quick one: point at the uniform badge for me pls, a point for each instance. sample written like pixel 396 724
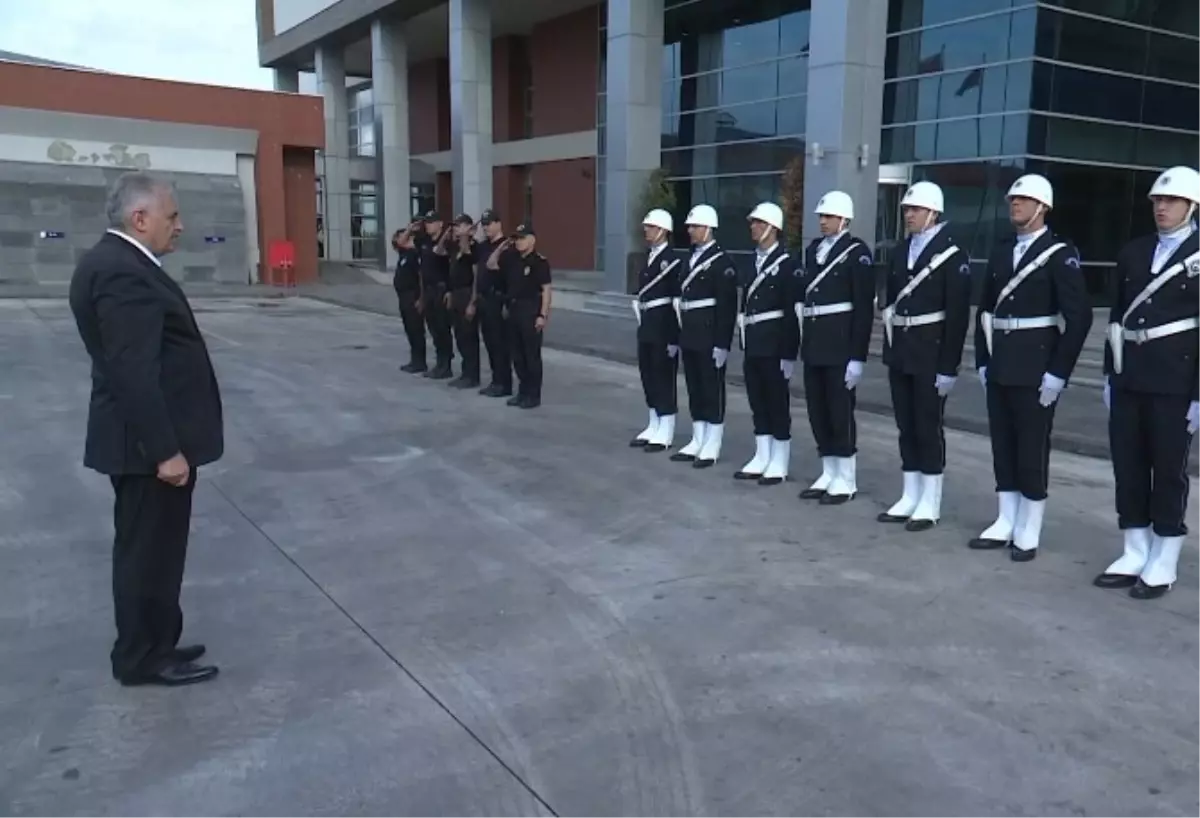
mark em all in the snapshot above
pixel 1073 261
pixel 526 270
pixel 1018 183
pixel 1194 268
pixel 864 260
pixel 662 266
pixel 965 270
pixel 1166 180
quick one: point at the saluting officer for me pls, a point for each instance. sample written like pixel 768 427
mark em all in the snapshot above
pixel 460 300
pixel 769 334
pixel 1025 358
pixel 527 290
pixel 407 282
pixel 707 311
pixel 435 283
pixel 658 332
pixel 1151 387
pixel 837 312
pixel 489 304
pixel 925 326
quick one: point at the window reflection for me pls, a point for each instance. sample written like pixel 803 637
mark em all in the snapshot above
pixel 968 44
pixel 1067 90
pixel 956 139
pixel 1085 41
pixel 735 123
pixel 1181 16
pixel 950 94
pixel 908 14
pixel 1117 144
pixel 732 197
pixel 766 156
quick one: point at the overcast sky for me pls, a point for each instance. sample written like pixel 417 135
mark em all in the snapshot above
pixel 207 41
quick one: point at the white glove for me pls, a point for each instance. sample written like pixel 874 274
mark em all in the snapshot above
pixel 943 384
pixel 672 350
pixel 1052 387
pixel 720 356
pixel 853 374
pixel 983 377
pixel 1193 418
pixel 787 368
pixel 1107 394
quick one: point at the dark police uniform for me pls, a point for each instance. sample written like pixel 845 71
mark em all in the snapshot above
pixel 658 329
pixel 838 310
pixel 708 302
pixel 524 278
pixel 466 328
pixel 1156 384
pixel 435 283
pixel 1029 289
pixel 489 304
pixel 929 304
pixel 768 335
pixel 407 282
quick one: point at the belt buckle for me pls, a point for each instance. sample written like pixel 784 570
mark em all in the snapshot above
pixel 1140 336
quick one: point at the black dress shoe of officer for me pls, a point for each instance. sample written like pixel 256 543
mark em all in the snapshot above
pixel 983 544
pixel 515 400
pixel 919 525
pixel 812 494
pixel 1115 581
pixel 189 653
pixel 1019 555
pixel 1144 591
pixel 173 675
pixel 529 402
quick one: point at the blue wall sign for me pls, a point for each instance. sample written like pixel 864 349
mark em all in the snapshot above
pixel 52 234
pixel 214 239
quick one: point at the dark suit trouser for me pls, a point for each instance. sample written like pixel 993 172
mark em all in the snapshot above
pixel 831 410
pixel 437 318
pixel 705 385
pixel 1020 430
pixel 151 521
pixel 660 377
pixel 495 340
pixel 466 336
pixel 1150 448
pixel 526 344
pixel 414 326
pixel 770 398
pixel 920 417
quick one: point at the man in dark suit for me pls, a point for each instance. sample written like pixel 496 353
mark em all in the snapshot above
pixel 154 417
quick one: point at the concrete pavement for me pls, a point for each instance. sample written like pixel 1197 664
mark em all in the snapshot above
pixel 427 603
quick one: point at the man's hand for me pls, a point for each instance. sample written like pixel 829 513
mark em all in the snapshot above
pixel 720 356
pixel 1193 417
pixel 471 311
pixel 944 383
pixel 787 367
pixel 446 300
pixel 420 305
pixel 539 323
pixel 853 376
pixel 1107 394
pixel 1052 387
pixel 175 471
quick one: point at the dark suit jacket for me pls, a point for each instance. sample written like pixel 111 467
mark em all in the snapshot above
pixel 154 392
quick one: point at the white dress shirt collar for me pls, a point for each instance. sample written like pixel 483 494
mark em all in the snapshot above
pixel 136 244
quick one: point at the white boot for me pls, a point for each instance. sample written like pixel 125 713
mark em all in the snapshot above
pixel 689 452
pixel 1164 559
pixel 907 504
pixel 644 436
pixel 777 469
pixel 711 449
pixel 757 464
pixel 844 485
pixel 818 488
pixel 929 509
pixel 1027 532
pixel 1000 532
pixel 1135 556
pixel 664 434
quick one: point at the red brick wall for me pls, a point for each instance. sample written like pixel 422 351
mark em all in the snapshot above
pixel 508 194
pixel 565 53
pixel 429 106
pixel 508 108
pixel 444 196
pixel 564 212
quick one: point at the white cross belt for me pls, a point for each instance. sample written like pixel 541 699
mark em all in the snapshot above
pixel 818 310
pixel 919 320
pixel 697 304
pixel 1141 336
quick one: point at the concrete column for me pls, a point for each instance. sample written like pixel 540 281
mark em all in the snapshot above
pixel 845 107
pixel 471 104
pixel 331 84
pixel 389 78
pixel 708 96
pixel 634 127
pixel 287 79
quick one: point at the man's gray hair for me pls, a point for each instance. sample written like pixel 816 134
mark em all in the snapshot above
pixel 131 192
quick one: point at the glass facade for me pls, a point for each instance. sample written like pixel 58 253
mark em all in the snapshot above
pixel 364 221
pixel 361 115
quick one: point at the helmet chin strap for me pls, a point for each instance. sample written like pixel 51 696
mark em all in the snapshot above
pixel 1186 219
pixel 1037 211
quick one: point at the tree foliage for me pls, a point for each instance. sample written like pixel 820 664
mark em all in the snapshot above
pixel 791 199
pixel 659 191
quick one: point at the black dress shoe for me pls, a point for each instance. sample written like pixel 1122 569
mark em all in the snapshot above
pixel 176 675
pixel 1143 591
pixel 528 402
pixel 654 448
pixel 468 383
pixel 828 499
pixel 515 400
pixel 189 653
pixel 1115 581
pixel 413 367
pixel 697 463
pixel 812 494
pixel 680 457
pixel 1018 555
pixel 981 544
pixel 884 517
pixel 638 443
pixel 770 481
pixel 919 525
pixel 746 475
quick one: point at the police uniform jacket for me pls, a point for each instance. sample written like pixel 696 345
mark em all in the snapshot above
pixel 658 287
pixel 435 268
pixel 461 276
pixel 1055 287
pixel 934 348
pixel 773 287
pixel 524 277
pixel 489 283
pixel 407 279
pixel 845 276
pixel 712 275
pixel 1167 365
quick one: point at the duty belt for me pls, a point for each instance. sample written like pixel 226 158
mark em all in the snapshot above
pixel 699 303
pixel 1034 322
pixel 640 307
pixel 918 320
pixel 1141 336
pixel 755 318
pixel 818 310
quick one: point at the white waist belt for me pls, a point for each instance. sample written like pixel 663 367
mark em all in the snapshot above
pixel 1141 336
pixel 657 302
pixel 698 304
pixel 759 317
pixel 1035 322
pixel 827 309
pixel 918 320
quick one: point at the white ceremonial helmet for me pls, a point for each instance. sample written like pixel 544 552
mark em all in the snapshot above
pixel 702 216
pixel 768 212
pixel 926 195
pixel 835 203
pixel 659 218
pixel 1033 186
pixel 1180 181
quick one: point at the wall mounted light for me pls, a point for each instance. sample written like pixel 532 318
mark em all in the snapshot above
pixel 816 152
pixel 864 155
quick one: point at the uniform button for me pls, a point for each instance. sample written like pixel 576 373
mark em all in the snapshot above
pixel 1141 320
pixel 1149 300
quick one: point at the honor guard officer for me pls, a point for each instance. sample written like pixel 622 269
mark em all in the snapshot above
pixel 435 283
pixel 489 304
pixel 836 315
pixel 460 301
pixel 707 311
pixel 1025 358
pixel 527 290
pixel 658 332
pixel 407 282
pixel 769 335
pixel 925 325
pixel 1151 389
